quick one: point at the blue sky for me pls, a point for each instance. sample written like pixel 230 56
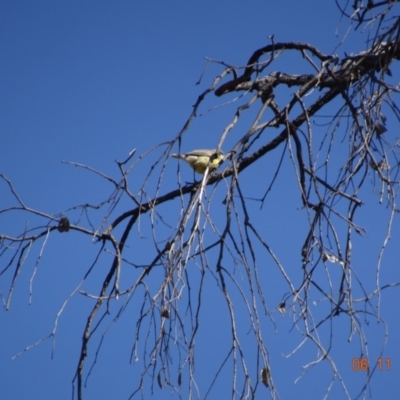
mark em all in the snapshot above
pixel 90 81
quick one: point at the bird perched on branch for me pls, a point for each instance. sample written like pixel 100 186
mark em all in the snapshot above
pixel 199 160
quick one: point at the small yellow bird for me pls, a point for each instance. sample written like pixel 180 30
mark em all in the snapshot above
pixel 199 160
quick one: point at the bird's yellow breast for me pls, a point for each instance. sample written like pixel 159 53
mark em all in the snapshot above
pixel 201 163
